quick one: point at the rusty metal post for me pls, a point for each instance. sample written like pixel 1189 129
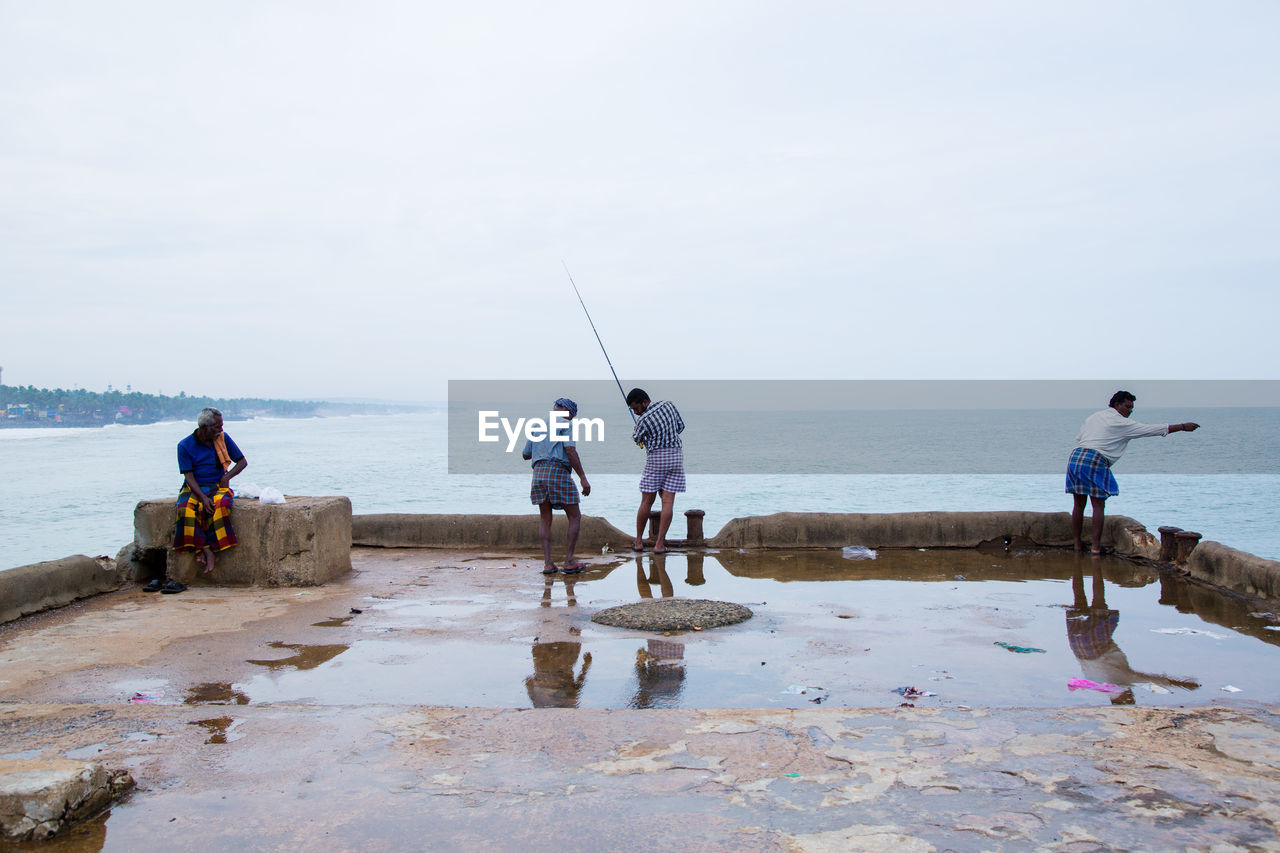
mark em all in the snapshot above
pixel 1168 544
pixel 655 519
pixel 1187 542
pixel 693 524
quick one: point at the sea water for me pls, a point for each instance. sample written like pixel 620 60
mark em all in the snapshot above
pixel 73 491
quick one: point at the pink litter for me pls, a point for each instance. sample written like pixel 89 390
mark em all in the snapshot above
pixel 1086 684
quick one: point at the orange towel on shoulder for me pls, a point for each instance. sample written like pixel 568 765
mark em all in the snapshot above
pixel 220 448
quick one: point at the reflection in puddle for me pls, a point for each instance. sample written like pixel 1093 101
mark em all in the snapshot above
pixel 570 585
pixel 659 675
pixel 87 837
pixel 215 693
pixel 335 622
pixel 1090 629
pixel 657 576
pixel 994 628
pixel 219 729
pixel 306 657
pixel 553 683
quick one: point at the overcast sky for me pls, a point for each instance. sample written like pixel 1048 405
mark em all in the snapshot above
pixel 341 199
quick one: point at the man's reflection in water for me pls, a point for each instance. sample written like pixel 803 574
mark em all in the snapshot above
pixel 553 683
pixel 657 575
pixel 659 675
pixel 571 597
pixel 1089 633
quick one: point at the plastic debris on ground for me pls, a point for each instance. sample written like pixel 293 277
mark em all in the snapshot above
pixel 141 698
pixel 1189 631
pixel 913 692
pixel 1086 684
pixel 1230 688
pixel 816 695
pixel 1022 650
pixel 857 552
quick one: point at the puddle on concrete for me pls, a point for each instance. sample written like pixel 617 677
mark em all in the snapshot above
pixel 963 628
pixel 304 657
pixel 25 755
pixel 86 751
pixel 219 729
pixel 215 693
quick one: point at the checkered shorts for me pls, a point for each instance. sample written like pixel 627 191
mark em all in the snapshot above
pixel 663 470
pixel 552 483
pixel 1089 473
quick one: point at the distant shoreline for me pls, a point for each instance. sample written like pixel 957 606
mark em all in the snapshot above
pixel 95 423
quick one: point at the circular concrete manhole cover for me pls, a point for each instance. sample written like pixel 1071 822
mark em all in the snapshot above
pixel 673 614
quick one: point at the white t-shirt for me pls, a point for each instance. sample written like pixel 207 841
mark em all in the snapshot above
pixel 1110 432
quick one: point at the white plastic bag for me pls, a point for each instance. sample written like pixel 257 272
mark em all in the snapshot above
pixel 270 495
pixel 246 490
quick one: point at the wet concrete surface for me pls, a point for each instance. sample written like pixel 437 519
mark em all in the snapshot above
pixel 233 749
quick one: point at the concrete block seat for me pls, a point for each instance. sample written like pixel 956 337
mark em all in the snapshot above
pixel 305 541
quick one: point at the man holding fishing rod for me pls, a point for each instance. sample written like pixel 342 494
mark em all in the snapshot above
pixel 657 430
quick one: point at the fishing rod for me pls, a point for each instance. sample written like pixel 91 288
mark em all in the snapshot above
pixel 593 328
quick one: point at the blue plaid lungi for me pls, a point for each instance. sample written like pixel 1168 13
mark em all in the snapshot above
pixel 552 483
pixel 1089 473
pixel 663 470
pixel 1089 632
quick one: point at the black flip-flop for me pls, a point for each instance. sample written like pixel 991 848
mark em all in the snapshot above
pixel 1105 549
pixel 550 571
pixel 576 570
pixel 154 586
pixel 172 587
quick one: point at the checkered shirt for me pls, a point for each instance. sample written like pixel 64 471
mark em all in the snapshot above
pixel 659 427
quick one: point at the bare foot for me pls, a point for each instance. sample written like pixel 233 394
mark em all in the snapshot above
pixel 637 545
pixel 208 561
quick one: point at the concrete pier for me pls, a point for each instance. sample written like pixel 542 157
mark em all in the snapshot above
pixel 219 768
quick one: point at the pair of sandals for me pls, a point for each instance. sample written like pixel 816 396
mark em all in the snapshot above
pixel 166 588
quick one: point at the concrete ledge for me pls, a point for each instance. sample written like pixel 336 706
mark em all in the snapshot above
pixel 304 542
pixel 1235 570
pixel 38 799
pixel 925 530
pixel 404 530
pixel 54 583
